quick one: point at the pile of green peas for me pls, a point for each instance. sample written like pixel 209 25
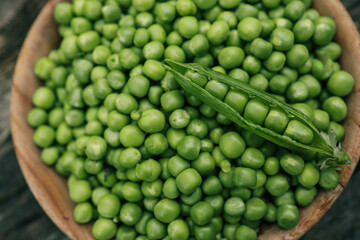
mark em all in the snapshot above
pixel 146 160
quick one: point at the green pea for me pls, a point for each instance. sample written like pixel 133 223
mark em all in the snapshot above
pixel 275 62
pixel 255 209
pixel 188 180
pixel 277 185
pixel 232 144
pixel 297 56
pixel 178 230
pixel 261 48
pixel 155 229
pixel 336 128
pixel 329 178
pixel 336 108
pixel 131 192
pixel 166 210
pixel 172 100
pixel 179 118
pixel 305 196
pixel 109 206
pixel 256 111
pixel 218 32
pixel 234 206
pixel 252 158
pixel 130 214
pixel 309 176
pixel 325 29
pixel 249 28
pixel 175 53
pixel 287 216
pixel 104 229
pixel 244 177
pixel 188 26
pixel 83 212
pixel 282 39
pixel 257 81
pixel 231 57
pixel 204 164
pixel 79 191
pixel 201 213
pixel 148 170
pixel 340 83
pixel 131 136
pixel 304 30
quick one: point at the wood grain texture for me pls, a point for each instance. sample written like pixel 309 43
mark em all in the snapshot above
pixel 50 189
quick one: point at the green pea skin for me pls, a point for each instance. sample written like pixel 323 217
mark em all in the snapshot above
pixel 201 213
pixel 104 229
pixel 189 147
pixel 244 177
pixel 218 32
pixel 188 180
pixel 329 178
pixel 310 176
pixel 249 28
pixel 287 216
pixel 277 185
pixel 292 164
pixel 231 57
pixel 166 210
pixel 130 214
pixel 282 39
pixel 148 170
pixel 155 229
pixel 131 136
pixel 340 83
pixel 336 108
pixel 178 230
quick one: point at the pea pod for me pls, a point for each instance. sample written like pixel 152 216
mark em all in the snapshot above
pixel 320 143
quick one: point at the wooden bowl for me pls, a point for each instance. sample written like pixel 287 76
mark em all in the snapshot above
pixel 50 189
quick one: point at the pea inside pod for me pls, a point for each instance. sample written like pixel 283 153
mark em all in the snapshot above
pixel 299 133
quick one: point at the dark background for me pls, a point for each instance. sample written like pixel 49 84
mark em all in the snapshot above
pixel 21 217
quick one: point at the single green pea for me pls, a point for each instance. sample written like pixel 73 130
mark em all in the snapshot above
pixel 156 144
pixel 257 81
pixel 188 180
pixel 287 216
pixel 282 39
pixel 166 210
pixel 310 176
pixel 79 191
pixel 201 213
pixel 231 57
pixel 297 92
pixel 83 212
pixel 329 178
pixel 152 121
pixel 336 108
pixel 189 147
pixel 109 206
pixel 131 192
pixel 234 206
pixel 297 56
pixel 305 196
pixel 44 136
pixel 178 230
pixel 188 26
pixel 172 100
pixel 336 128
pixel 249 28
pixel 131 136
pixel 252 158
pixel 204 164
pixel 155 229
pixel 130 213
pixel 277 185
pixel 104 229
pixel 340 83
pixel 256 111
pixel 244 177
pixel 218 32
pixel 275 62
pixel 232 144
pixel 148 170
pixel 255 209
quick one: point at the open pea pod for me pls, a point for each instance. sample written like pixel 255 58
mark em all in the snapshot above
pixel 321 142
